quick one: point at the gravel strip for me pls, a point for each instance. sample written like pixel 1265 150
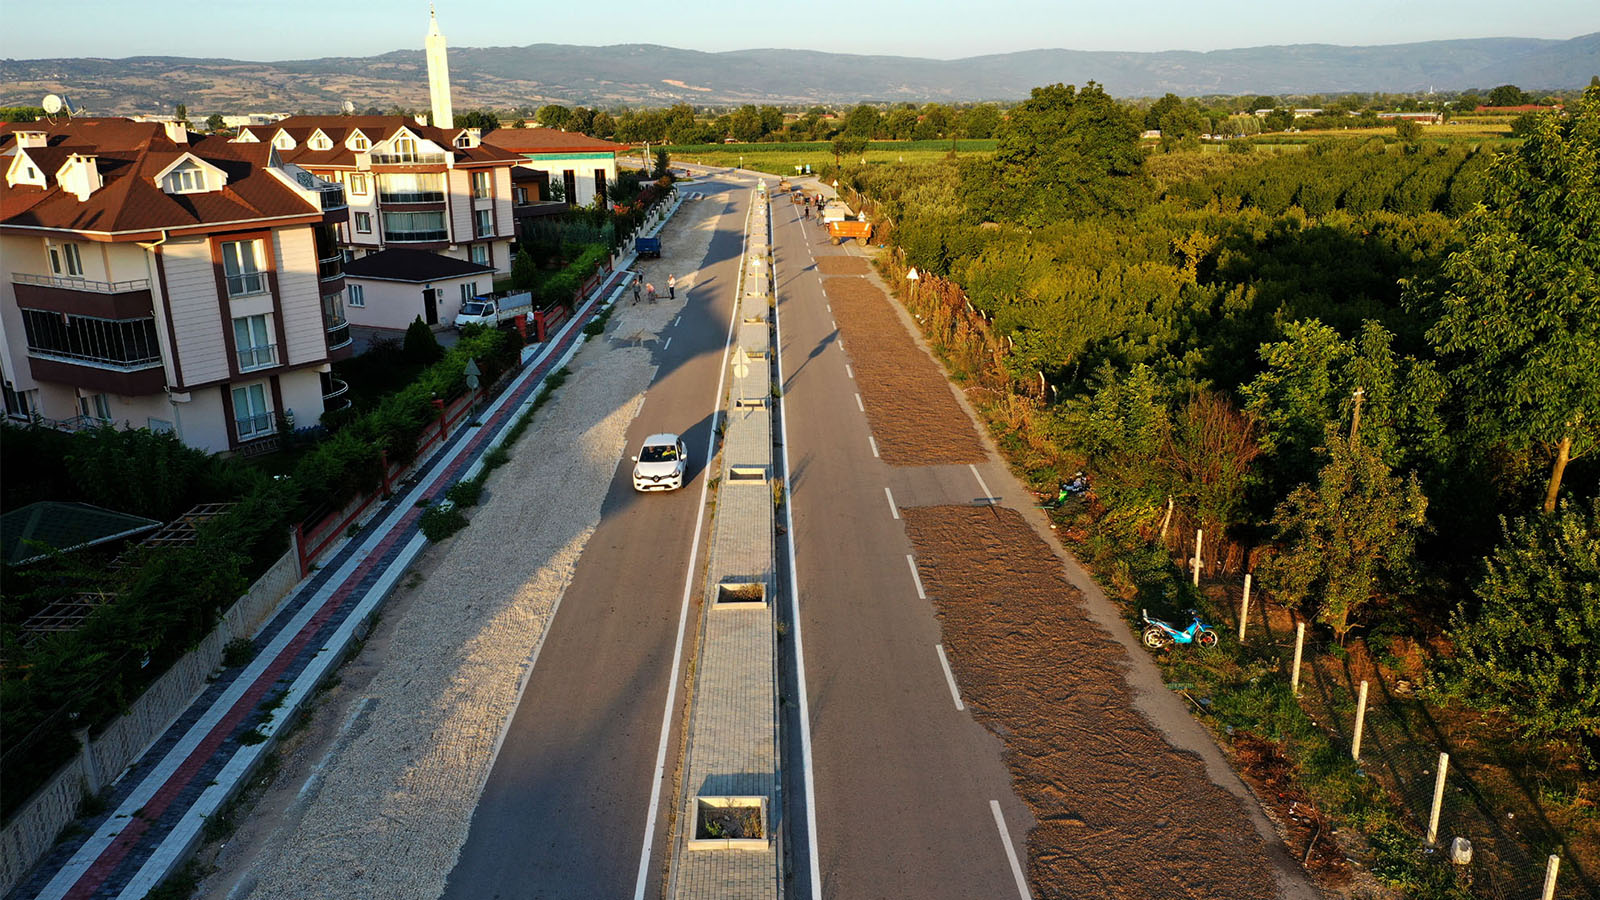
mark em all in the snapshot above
pixel 395 806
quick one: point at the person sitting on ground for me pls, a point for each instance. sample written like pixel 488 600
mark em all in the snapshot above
pixel 650 292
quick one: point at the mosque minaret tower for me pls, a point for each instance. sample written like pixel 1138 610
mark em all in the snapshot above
pixel 438 75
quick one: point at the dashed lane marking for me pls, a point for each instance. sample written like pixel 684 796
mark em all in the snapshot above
pixel 893 510
pixel 950 678
pixel 912 562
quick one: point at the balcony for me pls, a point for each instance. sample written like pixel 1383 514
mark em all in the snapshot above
pixel 331 268
pixel 409 159
pixel 329 194
pixel 431 236
pixel 82 297
pixel 258 426
pixel 333 393
pixel 391 197
pixel 251 358
pixel 338 335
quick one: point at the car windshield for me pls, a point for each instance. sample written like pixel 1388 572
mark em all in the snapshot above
pixel 473 308
pixel 659 453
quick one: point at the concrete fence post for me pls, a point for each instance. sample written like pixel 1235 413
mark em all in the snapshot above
pixel 1438 798
pixel 91 772
pixel 1552 867
pixel 1199 543
pixel 1244 608
pixel 1361 721
pixel 1299 642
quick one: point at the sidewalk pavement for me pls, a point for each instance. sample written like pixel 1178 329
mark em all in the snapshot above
pixel 157 810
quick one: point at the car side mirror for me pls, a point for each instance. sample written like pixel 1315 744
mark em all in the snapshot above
pixel 636 459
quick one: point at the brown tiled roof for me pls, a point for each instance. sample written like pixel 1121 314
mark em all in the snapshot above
pixel 549 140
pixel 129 155
pixel 376 128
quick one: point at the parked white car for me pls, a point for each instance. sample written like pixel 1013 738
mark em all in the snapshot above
pixel 661 463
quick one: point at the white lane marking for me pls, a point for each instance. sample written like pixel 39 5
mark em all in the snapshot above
pixel 834 324
pixel 849 371
pixel 912 562
pixel 676 321
pixel 893 510
pixel 988 497
pixel 858 404
pixel 794 622
pixel 669 344
pixel 841 345
pixel 955 693
pixel 639 407
pixel 830 308
pixel 683 613
pixel 1011 852
pixel 874 442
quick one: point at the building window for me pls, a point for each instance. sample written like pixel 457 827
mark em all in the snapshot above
pixel 468 291
pixel 186 180
pixel 124 344
pixel 243 263
pixel 357 182
pixel 97 407
pixel 360 142
pixel 463 140
pixel 414 226
pixel 252 342
pixel 480 254
pixel 600 185
pixel 482 185
pixel 251 418
pixel 405 147
pixel 484 219
pixel 358 294
pixel 283 142
pixel 64 260
pixel 321 142
pixel 422 187
pixel 520 195
pixel 161 426
pixel 363 223
pixel 21 404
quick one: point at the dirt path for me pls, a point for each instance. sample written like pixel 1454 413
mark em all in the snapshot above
pixel 374 799
pixel 914 414
pixel 1122 814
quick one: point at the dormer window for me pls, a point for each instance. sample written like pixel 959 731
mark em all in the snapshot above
pixel 463 140
pixel 187 179
pixel 360 143
pixel 283 142
pixel 321 142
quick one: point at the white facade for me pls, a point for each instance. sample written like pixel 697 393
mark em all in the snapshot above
pixel 438 75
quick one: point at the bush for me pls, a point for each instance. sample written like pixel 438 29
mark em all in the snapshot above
pixel 442 520
pixel 465 493
pixel 420 344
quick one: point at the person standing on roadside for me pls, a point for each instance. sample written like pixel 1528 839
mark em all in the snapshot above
pixel 636 290
pixel 672 287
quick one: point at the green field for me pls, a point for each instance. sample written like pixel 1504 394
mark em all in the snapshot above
pixel 781 159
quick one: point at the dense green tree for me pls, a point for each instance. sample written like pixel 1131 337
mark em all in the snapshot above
pixel 214 123
pixel 21 113
pixel 1468 102
pixel 1262 102
pixel 582 120
pixel 553 115
pixel 1278 120
pixel 523 270
pixel 900 124
pixel 771 119
pixel 1346 538
pixel 863 121
pixel 1516 308
pixel 420 345
pixel 1160 108
pixel 746 124
pixel 482 119
pixel 1526 645
pixel 1062 154
pixel 1408 131
pixel 1508 95
pixel 604 125
pixel 980 122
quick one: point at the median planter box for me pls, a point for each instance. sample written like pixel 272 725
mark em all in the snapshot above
pixel 741 595
pixel 730 823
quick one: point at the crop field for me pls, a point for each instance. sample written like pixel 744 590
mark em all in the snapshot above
pixel 781 159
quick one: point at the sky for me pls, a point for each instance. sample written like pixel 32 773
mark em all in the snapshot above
pixel 942 29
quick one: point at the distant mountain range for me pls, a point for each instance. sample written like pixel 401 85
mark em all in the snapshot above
pixel 647 74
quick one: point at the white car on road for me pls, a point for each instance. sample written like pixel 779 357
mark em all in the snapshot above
pixel 661 463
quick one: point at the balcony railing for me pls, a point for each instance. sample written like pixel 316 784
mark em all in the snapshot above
pixel 76 423
pixel 248 427
pixel 119 345
pixel 329 269
pixel 334 397
pixel 432 235
pixel 410 196
pixel 338 335
pixel 408 159
pixel 333 197
pixel 83 284
pixel 258 357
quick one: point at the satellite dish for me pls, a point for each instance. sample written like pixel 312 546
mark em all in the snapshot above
pixel 348 107
pixel 52 104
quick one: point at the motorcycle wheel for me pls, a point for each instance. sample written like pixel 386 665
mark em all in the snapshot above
pixel 1206 638
pixel 1155 638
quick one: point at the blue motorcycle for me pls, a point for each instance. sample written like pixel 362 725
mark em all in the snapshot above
pixel 1158 634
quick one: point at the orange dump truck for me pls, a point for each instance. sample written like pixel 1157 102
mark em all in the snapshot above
pixel 846 229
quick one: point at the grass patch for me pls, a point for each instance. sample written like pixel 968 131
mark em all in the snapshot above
pixel 237 652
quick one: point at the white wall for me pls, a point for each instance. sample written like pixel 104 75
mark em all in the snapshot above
pixel 302 392
pixel 196 318
pixel 299 295
pixel 582 169
pixel 458 191
pixel 395 304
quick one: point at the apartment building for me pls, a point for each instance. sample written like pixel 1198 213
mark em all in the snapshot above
pixel 408 185
pixel 584 166
pixel 162 279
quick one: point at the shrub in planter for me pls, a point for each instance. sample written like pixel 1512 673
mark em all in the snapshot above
pixel 441 520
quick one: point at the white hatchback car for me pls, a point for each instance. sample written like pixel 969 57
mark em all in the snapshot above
pixel 661 463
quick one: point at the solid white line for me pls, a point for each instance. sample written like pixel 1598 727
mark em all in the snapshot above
pixel 950 677
pixel 1011 852
pixel 874 442
pixel 849 371
pixel 858 404
pixel 683 612
pixel 987 496
pixel 893 510
pixel 666 345
pixel 794 621
pixel 912 562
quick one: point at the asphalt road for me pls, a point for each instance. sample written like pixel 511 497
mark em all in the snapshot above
pixel 904 780
pixel 564 811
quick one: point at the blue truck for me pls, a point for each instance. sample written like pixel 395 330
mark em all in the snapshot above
pixel 648 246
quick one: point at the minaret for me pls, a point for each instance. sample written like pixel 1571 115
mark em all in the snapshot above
pixel 438 75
